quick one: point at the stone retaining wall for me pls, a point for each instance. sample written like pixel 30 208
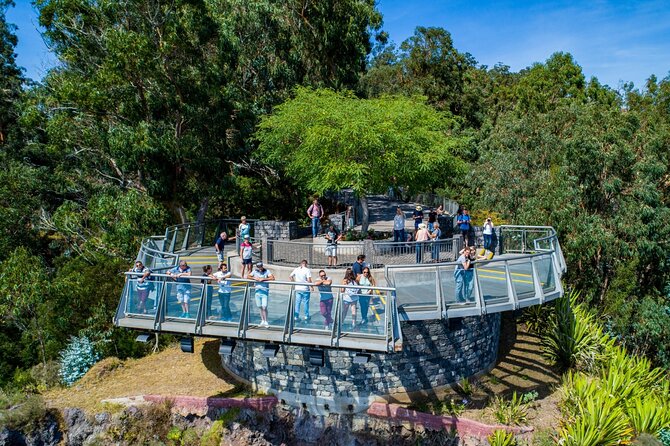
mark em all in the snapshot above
pixel 435 354
pixel 276 230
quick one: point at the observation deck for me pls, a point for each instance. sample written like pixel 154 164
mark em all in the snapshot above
pixel 525 271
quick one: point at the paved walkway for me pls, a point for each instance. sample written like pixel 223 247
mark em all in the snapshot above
pixel 382 210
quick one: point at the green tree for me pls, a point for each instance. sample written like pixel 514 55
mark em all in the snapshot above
pixel 330 141
pixel 24 289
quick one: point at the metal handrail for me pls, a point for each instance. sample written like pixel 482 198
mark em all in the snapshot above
pixel 276 282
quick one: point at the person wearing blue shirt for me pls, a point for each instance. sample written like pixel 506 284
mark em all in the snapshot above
pixel 180 274
pixel 262 290
pixel 219 246
pixel 464 225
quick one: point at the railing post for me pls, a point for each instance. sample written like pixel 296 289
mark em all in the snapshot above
pixel 202 309
pixel 184 245
pixel 264 250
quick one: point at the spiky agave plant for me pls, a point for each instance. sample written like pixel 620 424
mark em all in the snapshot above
pixel 501 437
pixel 599 422
pixel 573 339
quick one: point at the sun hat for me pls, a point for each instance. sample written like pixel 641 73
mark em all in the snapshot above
pixel 246 236
pixel 259 265
pixel 419 208
pixel 422 226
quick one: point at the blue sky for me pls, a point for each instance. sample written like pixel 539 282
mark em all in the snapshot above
pixel 612 40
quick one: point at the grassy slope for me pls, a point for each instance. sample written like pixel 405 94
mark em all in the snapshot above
pixel 171 372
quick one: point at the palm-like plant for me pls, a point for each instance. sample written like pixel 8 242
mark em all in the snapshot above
pixel 573 339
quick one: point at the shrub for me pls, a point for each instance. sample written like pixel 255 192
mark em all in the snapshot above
pixel 573 339
pixel 501 438
pixel 21 411
pixel 465 386
pixel 529 397
pixel 537 318
pixel 600 422
pixel 77 358
pixel 510 412
pixel 648 414
pixel 214 435
pixel 46 375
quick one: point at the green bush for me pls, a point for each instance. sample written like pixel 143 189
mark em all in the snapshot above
pixel 573 339
pixel 513 411
pixel 599 422
pixel 21 411
pixel 501 438
pixel 537 318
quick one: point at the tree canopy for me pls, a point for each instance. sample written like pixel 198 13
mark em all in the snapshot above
pixel 328 140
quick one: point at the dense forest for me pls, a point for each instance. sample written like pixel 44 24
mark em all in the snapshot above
pixel 159 112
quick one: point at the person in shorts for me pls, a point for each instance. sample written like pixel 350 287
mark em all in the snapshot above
pixel 246 254
pixel 332 237
pixel 262 290
pixel 219 246
pixel 181 274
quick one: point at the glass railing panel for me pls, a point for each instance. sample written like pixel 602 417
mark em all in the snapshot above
pixel 316 308
pixel 492 281
pixel 351 313
pixel 545 272
pixel 225 303
pixel 307 309
pixel 415 287
pixel 521 272
pixel 269 300
pixel 513 240
pixel 179 241
pixel 372 308
pixel 457 285
pixel 182 300
pixel 143 297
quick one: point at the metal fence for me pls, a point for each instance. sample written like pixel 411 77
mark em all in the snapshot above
pixel 377 253
pixel 530 276
pixel 195 235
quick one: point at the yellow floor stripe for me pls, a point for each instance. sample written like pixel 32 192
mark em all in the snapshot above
pixel 503 272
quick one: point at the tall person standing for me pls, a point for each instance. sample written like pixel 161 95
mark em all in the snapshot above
pixel 315 212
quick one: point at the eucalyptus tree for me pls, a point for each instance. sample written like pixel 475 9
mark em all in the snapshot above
pixel 329 140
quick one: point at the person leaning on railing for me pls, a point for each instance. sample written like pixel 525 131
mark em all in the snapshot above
pixel 143 285
pixel 365 279
pixel 462 275
pixel 181 273
pixel 222 276
pixel 350 297
pixel 323 283
pixel 262 291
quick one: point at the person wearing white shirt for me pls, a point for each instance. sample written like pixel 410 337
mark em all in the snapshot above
pixel 301 274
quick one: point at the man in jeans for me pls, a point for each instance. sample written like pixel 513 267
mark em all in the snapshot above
pixel 315 212
pixel 301 274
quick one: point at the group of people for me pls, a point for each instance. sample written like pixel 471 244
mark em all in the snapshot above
pixel 358 275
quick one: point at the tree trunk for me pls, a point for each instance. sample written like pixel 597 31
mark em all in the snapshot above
pixel 204 205
pixel 365 218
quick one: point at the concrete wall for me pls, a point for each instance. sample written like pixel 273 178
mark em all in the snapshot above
pixel 435 354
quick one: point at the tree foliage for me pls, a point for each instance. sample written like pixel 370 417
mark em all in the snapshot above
pixel 331 141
